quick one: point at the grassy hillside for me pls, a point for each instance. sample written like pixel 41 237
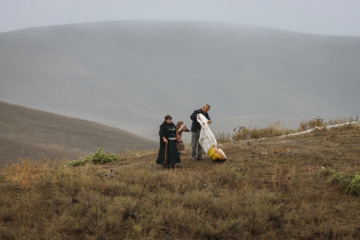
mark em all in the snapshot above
pixel 299 187
pixel 29 133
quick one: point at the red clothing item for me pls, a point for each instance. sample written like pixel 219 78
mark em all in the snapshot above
pixel 180 128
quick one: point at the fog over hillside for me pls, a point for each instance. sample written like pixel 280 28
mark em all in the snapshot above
pixel 130 74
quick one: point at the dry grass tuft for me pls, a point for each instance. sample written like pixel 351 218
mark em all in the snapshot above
pixel 319 122
pixel 272 130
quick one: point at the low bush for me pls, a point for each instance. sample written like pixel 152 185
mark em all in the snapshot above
pixel 350 181
pixel 100 157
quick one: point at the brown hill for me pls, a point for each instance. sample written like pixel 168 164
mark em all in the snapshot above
pixel 34 134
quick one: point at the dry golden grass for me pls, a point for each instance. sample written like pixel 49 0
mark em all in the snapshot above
pixel 272 130
pixel 319 122
pixel 267 189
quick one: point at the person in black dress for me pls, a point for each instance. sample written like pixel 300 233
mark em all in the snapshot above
pixel 168 154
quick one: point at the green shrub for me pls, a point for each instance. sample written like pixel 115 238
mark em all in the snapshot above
pixel 350 181
pixel 2 178
pixel 100 157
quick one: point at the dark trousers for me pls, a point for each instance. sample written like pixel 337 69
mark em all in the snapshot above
pixel 195 142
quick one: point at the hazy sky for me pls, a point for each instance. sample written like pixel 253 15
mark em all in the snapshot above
pixel 330 17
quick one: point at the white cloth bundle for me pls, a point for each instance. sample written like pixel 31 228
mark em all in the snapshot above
pixel 207 139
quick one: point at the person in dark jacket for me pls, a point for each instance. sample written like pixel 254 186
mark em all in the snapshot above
pixel 168 154
pixel 195 131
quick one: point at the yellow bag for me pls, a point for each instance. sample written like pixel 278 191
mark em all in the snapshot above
pixel 211 153
pixel 216 153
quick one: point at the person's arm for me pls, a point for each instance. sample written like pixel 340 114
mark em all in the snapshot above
pixel 161 133
pixel 181 127
pixel 194 116
pixel 208 117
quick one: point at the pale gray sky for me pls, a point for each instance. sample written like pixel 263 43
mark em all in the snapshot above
pixel 329 17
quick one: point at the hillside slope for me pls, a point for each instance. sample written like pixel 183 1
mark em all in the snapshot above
pixel 277 188
pixel 34 134
pixel 130 74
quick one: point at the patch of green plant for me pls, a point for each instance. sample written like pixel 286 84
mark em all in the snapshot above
pixel 79 162
pixel 100 157
pixel 350 181
pixel 2 178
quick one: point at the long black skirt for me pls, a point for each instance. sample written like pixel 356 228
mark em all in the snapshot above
pixel 172 156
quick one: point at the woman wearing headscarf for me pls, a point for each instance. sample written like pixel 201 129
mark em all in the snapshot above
pixel 168 154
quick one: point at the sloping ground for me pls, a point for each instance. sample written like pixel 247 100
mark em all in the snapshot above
pixel 34 134
pixel 273 188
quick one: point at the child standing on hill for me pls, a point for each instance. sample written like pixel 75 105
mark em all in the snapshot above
pixel 180 128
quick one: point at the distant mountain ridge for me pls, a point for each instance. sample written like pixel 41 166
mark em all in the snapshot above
pixel 34 134
pixel 130 74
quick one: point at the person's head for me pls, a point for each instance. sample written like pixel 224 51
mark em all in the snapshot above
pixel 168 119
pixel 205 108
